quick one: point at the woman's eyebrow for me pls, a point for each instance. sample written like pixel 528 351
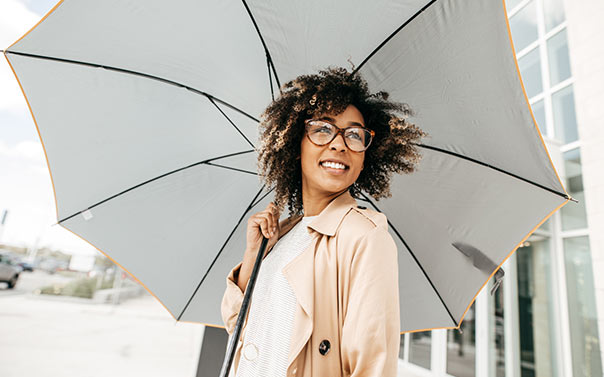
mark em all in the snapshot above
pixel 333 121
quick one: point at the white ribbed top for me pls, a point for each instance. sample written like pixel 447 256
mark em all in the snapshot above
pixel 271 317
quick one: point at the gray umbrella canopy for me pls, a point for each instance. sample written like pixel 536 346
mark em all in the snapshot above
pixel 148 113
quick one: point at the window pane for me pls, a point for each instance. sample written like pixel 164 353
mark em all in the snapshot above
pixel 565 122
pixel 496 329
pixel 573 214
pixel 535 308
pixel 401 351
pixel 511 4
pixel 461 347
pixel 585 345
pixel 524 26
pixel 539 113
pixel 530 69
pixel 554 13
pixel 420 348
pixel 559 63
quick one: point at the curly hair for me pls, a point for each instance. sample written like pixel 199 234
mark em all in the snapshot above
pixel 393 148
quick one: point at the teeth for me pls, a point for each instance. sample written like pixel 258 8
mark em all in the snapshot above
pixel 334 165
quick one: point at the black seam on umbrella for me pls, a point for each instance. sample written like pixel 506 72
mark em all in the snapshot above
pixel 206 162
pixel 218 254
pixel 231 168
pixel 270 77
pixel 232 123
pixel 494 168
pixel 392 35
pixel 416 261
pixel 122 70
pixel 262 197
pixel 268 54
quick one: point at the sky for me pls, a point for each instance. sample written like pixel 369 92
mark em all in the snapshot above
pixel 25 185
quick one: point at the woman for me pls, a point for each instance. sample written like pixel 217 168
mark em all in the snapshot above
pixel 326 300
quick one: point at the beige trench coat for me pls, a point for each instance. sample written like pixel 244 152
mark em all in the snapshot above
pixel 346 286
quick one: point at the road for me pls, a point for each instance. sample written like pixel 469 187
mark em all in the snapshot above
pixel 51 336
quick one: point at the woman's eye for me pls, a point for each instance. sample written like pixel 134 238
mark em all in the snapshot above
pixel 355 135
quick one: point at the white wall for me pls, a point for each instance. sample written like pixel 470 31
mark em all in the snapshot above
pixel 585 29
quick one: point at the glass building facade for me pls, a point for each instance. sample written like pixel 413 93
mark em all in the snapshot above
pixel 542 321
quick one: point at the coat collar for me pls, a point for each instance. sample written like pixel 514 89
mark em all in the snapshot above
pixel 328 220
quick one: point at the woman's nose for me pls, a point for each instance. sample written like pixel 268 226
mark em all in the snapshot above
pixel 338 143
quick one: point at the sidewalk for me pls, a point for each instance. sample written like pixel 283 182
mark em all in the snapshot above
pixel 41 337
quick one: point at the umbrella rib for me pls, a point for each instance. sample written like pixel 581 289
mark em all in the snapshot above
pixel 392 35
pixel 219 252
pixel 206 162
pixel 231 168
pixel 268 54
pixel 494 168
pixel 262 197
pixel 146 75
pixel 416 261
pixel 233 124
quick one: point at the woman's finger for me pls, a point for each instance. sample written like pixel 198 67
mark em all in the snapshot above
pixel 261 219
pixel 270 222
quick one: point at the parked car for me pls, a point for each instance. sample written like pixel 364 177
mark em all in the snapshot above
pixel 26 266
pixel 9 270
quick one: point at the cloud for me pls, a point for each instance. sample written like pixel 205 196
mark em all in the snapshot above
pixel 26 191
pixel 15 20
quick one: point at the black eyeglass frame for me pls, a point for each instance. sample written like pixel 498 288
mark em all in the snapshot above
pixel 338 131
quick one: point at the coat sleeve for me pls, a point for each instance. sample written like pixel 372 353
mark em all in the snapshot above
pixel 371 331
pixel 232 299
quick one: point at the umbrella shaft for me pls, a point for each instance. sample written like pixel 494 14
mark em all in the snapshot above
pixel 230 354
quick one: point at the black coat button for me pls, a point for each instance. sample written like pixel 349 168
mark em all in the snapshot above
pixel 324 347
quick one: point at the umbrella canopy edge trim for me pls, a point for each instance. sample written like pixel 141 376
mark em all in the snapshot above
pixel 507 23
pixel 268 54
pixel 122 267
pixel 416 261
pixel 564 195
pixel 127 71
pixel 487 280
pixel 205 162
pixel 54 191
pixel 510 254
pixel 37 23
pixel 249 207
pixel 519 77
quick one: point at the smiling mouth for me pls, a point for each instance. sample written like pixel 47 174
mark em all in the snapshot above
pixel 334 165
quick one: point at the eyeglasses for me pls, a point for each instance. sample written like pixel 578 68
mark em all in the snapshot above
pixel 356 138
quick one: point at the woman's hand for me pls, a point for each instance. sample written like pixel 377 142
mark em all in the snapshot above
pixel 261 224
pixel 264 223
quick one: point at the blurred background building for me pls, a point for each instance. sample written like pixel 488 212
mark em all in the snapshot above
pixel 547 319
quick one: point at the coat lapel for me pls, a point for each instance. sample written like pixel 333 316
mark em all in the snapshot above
pixel 300 271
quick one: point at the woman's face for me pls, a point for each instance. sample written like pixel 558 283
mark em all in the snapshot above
pixel 320 179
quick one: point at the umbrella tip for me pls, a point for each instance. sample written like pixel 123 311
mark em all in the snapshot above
pixel 573 199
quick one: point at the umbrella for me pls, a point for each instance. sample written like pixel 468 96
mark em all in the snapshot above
pixel 148 113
